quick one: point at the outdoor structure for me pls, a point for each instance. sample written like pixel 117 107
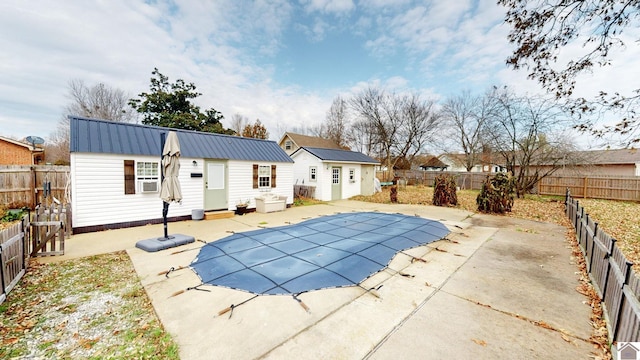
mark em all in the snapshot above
pixel 14 152
pixel 335 174
pixel 115 173
pixel 486 162
pixel 290 142
pixel 615 162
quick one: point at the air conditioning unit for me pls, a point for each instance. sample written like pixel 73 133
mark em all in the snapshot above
pixel 148 186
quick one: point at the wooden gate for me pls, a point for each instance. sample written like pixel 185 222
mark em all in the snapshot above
pixel 50 226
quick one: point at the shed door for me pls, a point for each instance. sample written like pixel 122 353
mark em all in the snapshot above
pixel 215 185
pixel 367 173
pixel 336 183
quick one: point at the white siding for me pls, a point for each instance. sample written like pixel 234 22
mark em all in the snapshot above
pixel 304 160
pixel 97 183
pixel 240 176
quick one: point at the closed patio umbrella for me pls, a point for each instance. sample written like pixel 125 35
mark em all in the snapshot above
pixel 170 190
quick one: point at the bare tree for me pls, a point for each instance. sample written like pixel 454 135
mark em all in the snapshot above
pixel 380 112
pixel 336 124
pixel 97 101
pixel 417 128
pixel 392 127
pixel 528 134
pixel 467 116
pixel 238 123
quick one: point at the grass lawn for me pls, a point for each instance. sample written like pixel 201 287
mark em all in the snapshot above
pixel 90 308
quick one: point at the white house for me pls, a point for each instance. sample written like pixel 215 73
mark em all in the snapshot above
pixel 115 173
pixel 335 174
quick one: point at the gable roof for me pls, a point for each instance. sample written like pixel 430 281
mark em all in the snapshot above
pixel 434 162
pixel 338 155
pixel 310 141
pixel 108 137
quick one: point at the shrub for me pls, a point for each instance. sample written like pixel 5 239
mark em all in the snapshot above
pixel 444 190
pixel 496 194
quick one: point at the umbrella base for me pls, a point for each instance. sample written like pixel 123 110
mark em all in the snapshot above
pixel 157 244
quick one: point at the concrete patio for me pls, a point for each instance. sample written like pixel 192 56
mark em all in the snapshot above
pixel 496 288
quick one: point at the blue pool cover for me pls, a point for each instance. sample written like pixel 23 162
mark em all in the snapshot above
pixel 326 252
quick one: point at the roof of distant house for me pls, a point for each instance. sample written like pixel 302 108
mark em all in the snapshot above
pixel 27 145
pixel 103 136
pixel 612 156
pixel 311 141
pixel 434 162
pixel 338 155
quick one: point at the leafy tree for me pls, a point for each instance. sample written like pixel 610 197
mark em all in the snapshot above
pixel 255 130
pixel 541 29
pixel 169 105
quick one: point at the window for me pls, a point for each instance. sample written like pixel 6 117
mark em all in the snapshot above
pixel 352 175
pixel 147 173
pixel 264 176
pixel 287 145
pixel 129 177
pixel 313 171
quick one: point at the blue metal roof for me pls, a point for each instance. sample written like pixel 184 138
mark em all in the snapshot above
pixel 102 136
pixel 339 155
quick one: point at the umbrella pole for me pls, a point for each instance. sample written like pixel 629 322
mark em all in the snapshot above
pixel 165 210
pixel 165 205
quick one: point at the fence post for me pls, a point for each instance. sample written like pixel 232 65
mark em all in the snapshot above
pixel 2 272
pixel 593 243
pixel 606 276
pixel 627 272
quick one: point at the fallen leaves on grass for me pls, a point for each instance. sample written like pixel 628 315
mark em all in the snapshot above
pixel 83 308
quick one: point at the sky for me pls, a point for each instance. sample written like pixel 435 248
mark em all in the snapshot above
pixel 282 62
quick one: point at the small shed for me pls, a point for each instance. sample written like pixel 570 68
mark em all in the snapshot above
pixel 336 174
pixel 115 173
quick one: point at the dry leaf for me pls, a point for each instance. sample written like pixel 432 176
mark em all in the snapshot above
pixel 480 342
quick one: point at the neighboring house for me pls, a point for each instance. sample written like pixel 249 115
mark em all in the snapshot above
pixel 617 162
pixel 14 152
pixel 487 162
pixel 336 174
pixel 433 164
pixel 456 163
pixel 115 173
pixel 291 142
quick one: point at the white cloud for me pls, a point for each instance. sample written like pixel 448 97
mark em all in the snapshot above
pixel 329 6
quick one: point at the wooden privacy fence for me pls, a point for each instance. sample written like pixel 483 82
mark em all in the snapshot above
pixel 22 186
pixel 610 273
pixel 595 187
pixel 304 191
pixel 14 254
